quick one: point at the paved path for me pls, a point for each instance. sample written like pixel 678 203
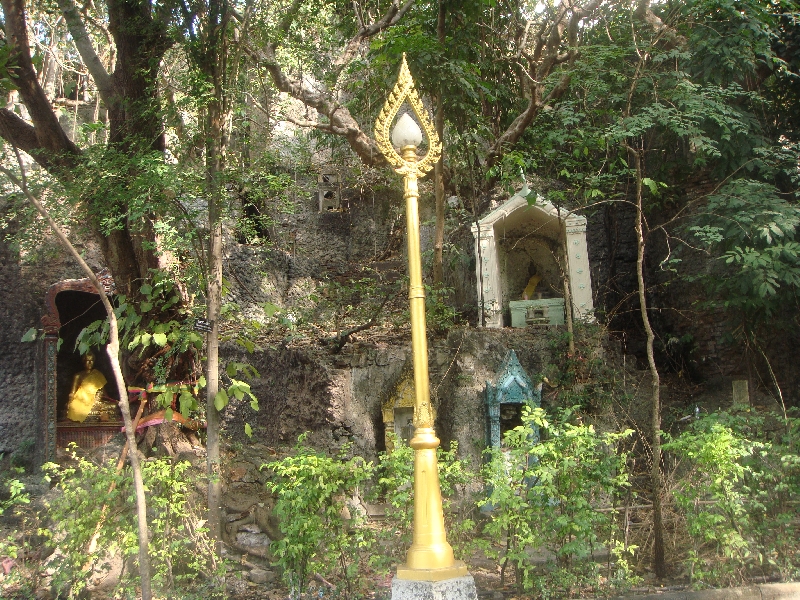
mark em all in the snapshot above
pixel 766 591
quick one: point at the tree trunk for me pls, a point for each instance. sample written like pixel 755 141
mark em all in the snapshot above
pixel 656 478
pixel 213 62
pixel 438 170
pixel 212 369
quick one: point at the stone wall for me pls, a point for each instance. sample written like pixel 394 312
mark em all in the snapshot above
pixel 307 246
pixel 18 402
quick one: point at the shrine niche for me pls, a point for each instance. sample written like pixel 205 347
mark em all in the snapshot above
pixel 505 399
pixel 72 305
pixel 521 267
pixel 398 412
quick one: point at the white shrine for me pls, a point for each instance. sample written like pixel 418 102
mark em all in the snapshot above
pixel 520 264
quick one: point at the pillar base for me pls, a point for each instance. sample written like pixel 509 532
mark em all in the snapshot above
pixel 457 588
pixel 459 569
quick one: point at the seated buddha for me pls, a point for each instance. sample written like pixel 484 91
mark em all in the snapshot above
pixel 86 398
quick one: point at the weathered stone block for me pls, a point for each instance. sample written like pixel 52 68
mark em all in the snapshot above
pixel 459 588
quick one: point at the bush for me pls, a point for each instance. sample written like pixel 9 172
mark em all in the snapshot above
pixel 323 533
pixel 86 513
pixel 13 500
pixel 545 497
pixel 738 496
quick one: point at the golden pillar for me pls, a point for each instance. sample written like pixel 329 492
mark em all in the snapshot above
pixel 430 557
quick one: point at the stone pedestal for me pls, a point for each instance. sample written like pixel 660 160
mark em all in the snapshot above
pixel 459 588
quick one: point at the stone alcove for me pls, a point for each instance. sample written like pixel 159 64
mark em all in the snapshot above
pixel 517 241
pixel 398 411
pixel 505 399
pixel 71 305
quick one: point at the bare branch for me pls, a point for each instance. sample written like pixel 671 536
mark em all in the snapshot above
pixel 313 125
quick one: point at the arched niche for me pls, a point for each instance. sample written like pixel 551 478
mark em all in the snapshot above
pixel 516 239
pixel 71 305
pixel 512 391
pixel 398 412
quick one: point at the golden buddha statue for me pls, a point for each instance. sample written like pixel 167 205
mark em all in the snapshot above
pixel 86 397
pixel 530 289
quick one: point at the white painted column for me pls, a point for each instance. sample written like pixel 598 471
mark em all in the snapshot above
pixel 488 274
pixel 578 263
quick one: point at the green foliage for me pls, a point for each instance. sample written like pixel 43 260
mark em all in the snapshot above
pixel 742 474
pixel 731 40
pixel 545 496
pixel 584 379
pixel 16 495
pixel 323 532
pixel 752 228
pixel 182 556
pixel 266 195
pixel 123 189
pixel 13 500
pixel 439 312
pixel 142 326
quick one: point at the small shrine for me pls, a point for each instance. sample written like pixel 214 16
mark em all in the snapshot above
pixel 398 412
pixel 521 267
pixel 512 390
pixel 71 306
pixel 329 191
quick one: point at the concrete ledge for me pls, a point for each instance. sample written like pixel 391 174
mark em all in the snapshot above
pixel 766 591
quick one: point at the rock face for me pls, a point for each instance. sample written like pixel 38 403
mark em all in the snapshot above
pixel 338 398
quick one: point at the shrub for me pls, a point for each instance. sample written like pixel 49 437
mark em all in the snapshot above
pixel 13 548
pixel 87 512
pixel 545 496
pixel 742 476
pixel 322 535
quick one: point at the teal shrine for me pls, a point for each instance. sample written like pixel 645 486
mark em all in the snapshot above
pixel 505 399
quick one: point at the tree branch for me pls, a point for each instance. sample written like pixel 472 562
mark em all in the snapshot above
pixel 20 133
pixel 343 337
pixel 53 149
pixel 83 42
pixel 644 13
pixel 546 56
pixel 392 16
pixel 340 120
